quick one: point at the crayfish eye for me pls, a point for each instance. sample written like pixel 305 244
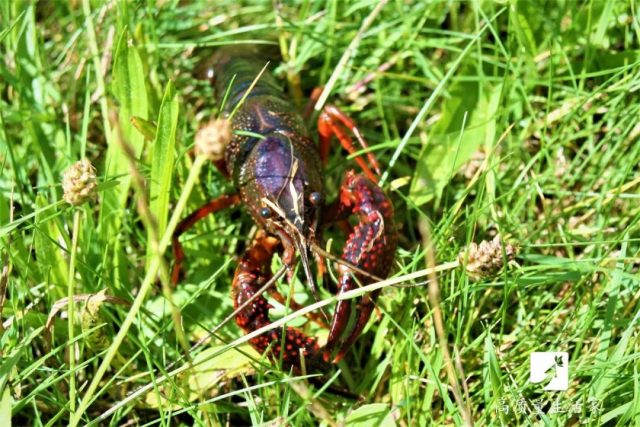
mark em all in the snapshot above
pixel 265 213
pixel 315 198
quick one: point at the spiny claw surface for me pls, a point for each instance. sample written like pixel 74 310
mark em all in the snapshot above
pixel 370 247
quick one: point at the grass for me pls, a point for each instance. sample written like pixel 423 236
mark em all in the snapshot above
pixel 516 119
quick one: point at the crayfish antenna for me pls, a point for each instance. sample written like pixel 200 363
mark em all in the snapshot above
pixel 304 259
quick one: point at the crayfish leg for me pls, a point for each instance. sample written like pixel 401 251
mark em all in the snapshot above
pixel 251 274
pixel 334 122
pixel 210 207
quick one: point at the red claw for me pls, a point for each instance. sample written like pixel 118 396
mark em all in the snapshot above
pixel 370 247
pixel 251 274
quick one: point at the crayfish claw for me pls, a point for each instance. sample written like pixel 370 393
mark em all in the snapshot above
pixel 364 312
pixel 370 247
pixel 340 320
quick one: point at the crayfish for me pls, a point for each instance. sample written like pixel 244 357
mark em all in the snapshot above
pixel 276 169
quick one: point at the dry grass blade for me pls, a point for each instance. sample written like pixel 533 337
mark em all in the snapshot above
pixel 434 299
pixel 61 304
pixel 317 248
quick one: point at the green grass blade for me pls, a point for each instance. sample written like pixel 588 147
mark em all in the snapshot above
pixel 162 161
pixel 50 255
pixel 130 91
